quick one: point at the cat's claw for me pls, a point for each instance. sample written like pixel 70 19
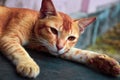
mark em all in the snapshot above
pixel 28 69
pixel 105 64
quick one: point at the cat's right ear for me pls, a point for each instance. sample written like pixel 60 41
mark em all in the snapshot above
pixel 47 9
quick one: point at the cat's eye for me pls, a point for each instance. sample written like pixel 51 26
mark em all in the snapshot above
pixel 54 31
pixel 71 38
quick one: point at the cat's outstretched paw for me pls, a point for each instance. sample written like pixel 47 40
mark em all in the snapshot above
pixel 28 69
pixel 105 64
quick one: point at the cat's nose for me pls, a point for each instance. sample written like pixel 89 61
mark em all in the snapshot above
pixel 60 44
pixel 59 47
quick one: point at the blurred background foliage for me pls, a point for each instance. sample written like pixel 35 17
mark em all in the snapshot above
pixel 109 43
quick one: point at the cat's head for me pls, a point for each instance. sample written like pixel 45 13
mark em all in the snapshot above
pixel 57 31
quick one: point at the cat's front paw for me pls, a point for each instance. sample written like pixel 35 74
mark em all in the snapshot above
pixel 105 64
pixel 28 69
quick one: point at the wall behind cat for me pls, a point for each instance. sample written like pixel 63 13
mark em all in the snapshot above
pixel 61 5
pixel 71 6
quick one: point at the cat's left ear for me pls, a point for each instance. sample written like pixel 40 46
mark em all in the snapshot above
pixel 47 9
pixel 84 22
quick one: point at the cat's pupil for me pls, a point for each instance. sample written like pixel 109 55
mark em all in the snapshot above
pixel 54 31
pixel 71 38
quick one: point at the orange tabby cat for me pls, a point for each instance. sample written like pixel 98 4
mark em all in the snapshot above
pixel 47 30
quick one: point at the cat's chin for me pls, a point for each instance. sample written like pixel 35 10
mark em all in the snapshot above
pixel 56 53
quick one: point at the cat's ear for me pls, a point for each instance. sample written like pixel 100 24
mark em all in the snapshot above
pixel 84 22
pixel 47 9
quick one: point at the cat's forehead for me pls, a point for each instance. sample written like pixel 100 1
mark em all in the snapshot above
pixel 62 22
pixel 66 21
pixel 68 25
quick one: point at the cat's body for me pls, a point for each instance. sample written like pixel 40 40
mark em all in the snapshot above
pixel 21 18
pixel 47 30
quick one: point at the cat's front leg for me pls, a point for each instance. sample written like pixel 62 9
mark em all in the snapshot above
pixel 100 62
pixel 25 65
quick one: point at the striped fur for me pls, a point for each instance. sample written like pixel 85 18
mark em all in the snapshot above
pixel 46 30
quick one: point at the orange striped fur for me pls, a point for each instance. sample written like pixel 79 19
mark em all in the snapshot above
pixel 46 30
